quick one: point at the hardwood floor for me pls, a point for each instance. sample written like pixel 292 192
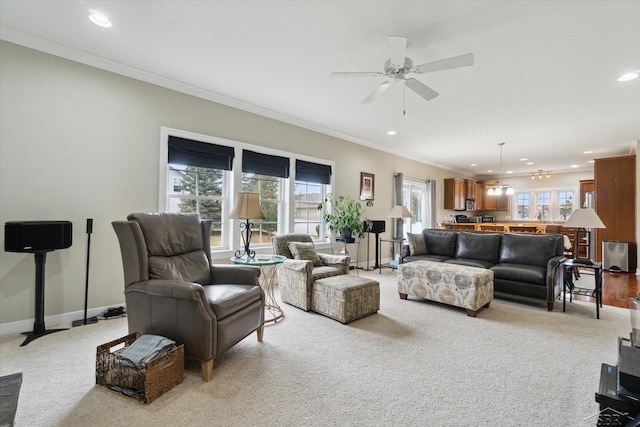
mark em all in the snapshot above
pixel 617 288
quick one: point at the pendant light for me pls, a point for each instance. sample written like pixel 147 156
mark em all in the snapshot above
pixel 497 190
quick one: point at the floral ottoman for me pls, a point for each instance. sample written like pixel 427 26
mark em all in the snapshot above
pixel 458 285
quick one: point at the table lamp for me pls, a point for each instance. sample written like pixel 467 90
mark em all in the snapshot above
pixel 400 212
pixel 247 207
pixel 584 218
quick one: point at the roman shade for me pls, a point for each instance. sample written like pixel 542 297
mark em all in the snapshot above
pixel 313 172
pixel 265 164
pixel 183 151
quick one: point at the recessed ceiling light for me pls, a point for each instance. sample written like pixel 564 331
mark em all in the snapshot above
pixel 473 164
pixel 509 171
pixel 575 166
pixel 391 132
pixel 628 76
pixel 99 19
pixel 530 163
pixel 524 159
pixel 588 152
pixel 490 170
pixel 591 161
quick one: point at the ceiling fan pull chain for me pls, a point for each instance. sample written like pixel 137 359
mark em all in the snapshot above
pixel 404 99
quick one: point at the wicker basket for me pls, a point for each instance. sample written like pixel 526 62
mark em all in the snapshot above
pixel 162 373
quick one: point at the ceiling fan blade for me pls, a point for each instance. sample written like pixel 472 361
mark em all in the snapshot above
pixel 373 95
pixel 445 64
pixel 397 49
pixel 421 89
pixel 357 74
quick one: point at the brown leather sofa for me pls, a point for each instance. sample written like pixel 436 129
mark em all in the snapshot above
pixel 172 290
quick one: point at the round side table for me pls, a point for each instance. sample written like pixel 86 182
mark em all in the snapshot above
pixel 268 265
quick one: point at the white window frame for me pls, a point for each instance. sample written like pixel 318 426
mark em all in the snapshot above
pixel 554 206
pixel 234 184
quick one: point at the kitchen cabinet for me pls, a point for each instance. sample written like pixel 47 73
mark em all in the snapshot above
pixel 586 186
pixel 478 191
pixel 454 194
pixel 494 203
pixel 615 186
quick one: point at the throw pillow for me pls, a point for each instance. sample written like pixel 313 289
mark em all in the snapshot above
pixel 417 246
pixel 305 251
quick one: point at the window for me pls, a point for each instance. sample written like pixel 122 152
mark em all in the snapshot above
pixel 416 197
pixel 197 173
pixel 565 203
pixel 543 211
pixel 307 218
pixel 523 200
pixel 201 174
pixel 311 187
pixel 547 205
pixel 268 189
pixel 200 192
pixel 177 184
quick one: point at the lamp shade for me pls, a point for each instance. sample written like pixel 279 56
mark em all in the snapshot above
pixel 247 206
pixel 585 218
pixel 400 211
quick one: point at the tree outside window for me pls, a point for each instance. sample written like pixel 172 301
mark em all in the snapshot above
pixel 200 192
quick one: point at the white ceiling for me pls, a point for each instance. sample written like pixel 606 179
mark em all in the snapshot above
pixel 544 79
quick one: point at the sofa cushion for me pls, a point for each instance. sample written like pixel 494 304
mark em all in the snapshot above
pixel 434 258
pixel 521 273
pixel 417 245
pixel 305 251
pixel 441 242
pixel 529 249
pixel 479 246
pixel 470 262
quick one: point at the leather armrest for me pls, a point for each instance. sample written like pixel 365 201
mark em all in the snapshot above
pixel 169 288
pixel 234 274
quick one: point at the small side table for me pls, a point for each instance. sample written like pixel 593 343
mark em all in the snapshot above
pixel 395 241
pixel 268 265
pixel 568 266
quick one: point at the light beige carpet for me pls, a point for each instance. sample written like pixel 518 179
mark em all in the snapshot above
pixel 415 363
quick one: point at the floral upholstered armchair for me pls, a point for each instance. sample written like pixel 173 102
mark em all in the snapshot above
pixel 304 266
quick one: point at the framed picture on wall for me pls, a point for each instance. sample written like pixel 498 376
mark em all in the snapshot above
pixel 366 186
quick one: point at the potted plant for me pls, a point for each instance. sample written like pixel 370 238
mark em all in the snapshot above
pixel 344 215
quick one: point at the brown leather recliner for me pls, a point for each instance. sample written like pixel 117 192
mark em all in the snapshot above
pixel 172 290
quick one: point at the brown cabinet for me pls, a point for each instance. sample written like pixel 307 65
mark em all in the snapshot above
pixel 454 194
pixel 586 186
pixel 494 203
pixel 478 191
pixel 615 187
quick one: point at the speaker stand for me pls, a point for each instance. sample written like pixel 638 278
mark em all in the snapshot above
pixel 94 319
pixel 39 328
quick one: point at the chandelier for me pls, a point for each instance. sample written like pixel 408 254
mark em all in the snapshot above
pixel 540 174
pixel 497 190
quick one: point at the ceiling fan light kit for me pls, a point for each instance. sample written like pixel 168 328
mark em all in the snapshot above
pixel 398 67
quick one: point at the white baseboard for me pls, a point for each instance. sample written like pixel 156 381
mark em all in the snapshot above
pixel 50 321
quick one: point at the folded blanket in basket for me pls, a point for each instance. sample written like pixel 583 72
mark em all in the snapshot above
pixel 144 349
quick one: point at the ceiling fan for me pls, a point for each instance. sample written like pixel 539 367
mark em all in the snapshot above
pixel 398 67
